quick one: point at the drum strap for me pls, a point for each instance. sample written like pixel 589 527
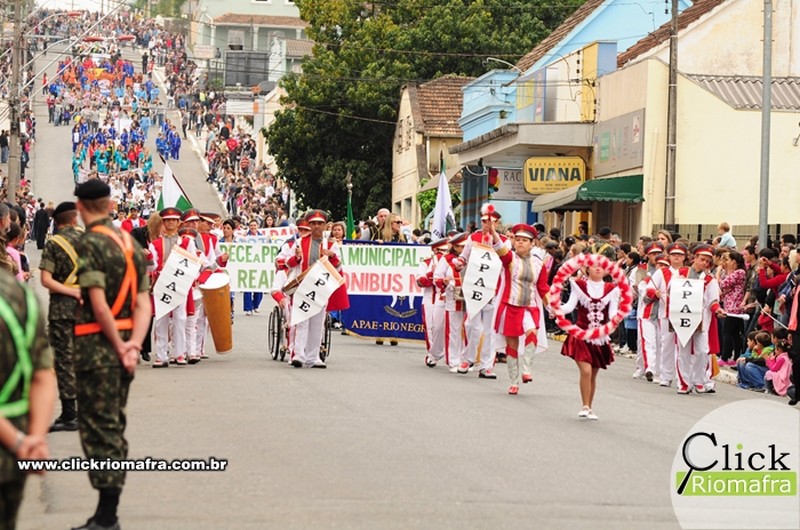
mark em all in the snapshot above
pixel 129 285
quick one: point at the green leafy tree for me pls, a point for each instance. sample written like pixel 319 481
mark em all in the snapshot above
pixel 342 110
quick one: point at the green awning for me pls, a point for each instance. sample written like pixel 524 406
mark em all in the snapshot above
pixel 623 189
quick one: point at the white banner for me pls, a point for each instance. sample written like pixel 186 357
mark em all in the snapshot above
pixel 251 266
pixel 314 291
pixel 480 277
pixel 685 307
pixel 383 269
pixel 175 281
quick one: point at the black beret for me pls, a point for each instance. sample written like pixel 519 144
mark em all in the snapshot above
pixel 64 207
pixel 92 189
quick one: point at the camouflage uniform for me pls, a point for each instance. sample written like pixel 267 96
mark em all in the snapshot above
pixel 63 309
pixel 102 380
pixel 12 482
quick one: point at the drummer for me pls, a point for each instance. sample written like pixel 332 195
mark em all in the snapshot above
pixel 308 334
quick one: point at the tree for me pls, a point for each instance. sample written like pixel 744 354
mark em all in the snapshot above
pixel 341 112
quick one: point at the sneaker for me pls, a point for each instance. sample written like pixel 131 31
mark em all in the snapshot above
pixel 513 390
pixel 665 383
pixel 649 376
pixel 487 374
pixel 527 378
pixel 700 389
pixel 685 390
pixel 710 388
pixel 160 364
pixel 430 363
pixel 194 359
pixel 203 356
pixel 591 416
pixel 584 412
pixel 624 349
pixel 319 364
pixel 257 310
pixel 637 374
pixel 759 389
pixel 463 368
pixel 181 361
pixel 743 386
pixel 248 313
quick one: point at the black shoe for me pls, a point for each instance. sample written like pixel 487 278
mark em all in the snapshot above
pixel 146 356
pixel 297 363
pixel 61 425
pixel 92 525
pixel 393 342
pixel 379 342
pixel 792 402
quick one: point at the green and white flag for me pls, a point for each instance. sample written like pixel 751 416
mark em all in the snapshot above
pixel 172 194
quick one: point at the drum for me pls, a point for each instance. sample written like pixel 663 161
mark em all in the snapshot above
pixel 217 301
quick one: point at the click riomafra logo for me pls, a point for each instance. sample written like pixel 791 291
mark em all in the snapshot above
pixel 733 469
pixel 737 467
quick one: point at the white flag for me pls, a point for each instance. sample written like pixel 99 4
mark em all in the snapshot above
pixel 480 278
pixel 314 291
pixel 443 210
pixel 685 307
pixel 172 195
pixel 175 281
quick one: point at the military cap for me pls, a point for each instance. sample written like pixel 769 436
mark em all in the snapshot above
pixel 302 224
pixel 92 189
pixel 525 230
pixel 441 243
pixel 186 231
pixel 317 216
pixel 677 248
pixel 661 259
pixel 67 206
pixel 190 215
pixel 704 250
pixel 170 213
pixel 459 239
pixel 488 211
pixel 209 217
pixel 654 246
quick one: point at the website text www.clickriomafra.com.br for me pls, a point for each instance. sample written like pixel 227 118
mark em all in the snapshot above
pixel 139 464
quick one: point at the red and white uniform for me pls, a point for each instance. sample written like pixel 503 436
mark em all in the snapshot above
pixel 521 309
pixel 174 324
pixel 431 299
pixel 658 288
pixel 693 365
pixel 448 282
pixel 648 353
pixel 197 323
pixel 308 334
pixel 482 342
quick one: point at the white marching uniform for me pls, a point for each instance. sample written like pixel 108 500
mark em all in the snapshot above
pixel 434 343
pixel 197 324
pixel 659 288
pixel 448 280
pixel 693 362
pixel 649 340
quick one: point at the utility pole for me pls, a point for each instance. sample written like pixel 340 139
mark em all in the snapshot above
pixel 672 121
pixel 766 118
pixel 14 103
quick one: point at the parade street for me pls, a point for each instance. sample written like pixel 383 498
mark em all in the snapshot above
pixel 375 441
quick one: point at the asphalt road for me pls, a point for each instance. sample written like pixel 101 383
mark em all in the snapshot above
pixel 377 440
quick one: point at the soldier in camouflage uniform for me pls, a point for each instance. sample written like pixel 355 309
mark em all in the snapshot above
pixel 29 405
pixel 59 268
pixel 109 331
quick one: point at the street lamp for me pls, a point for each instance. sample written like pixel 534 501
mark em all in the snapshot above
pixel 501 61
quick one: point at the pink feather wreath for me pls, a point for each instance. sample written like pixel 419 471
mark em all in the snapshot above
pixel 571 267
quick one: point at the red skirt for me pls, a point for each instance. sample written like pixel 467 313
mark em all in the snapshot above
pixel 598 356
pixel 510 318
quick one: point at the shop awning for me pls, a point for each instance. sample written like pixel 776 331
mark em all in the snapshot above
pixel 623 189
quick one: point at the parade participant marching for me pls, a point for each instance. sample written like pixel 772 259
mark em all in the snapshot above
pixel 308 333
pixel 28 385
pixel 432 304
pixel 596 301
pixel 479 328
pixel 173 324
pixel 647 355
pixel 59 270
pixel 659 289
pixel 282 278
pixel 693 365
pixel 196 322
pixel 521 312
pixel 448 281
pixel 109 332
pixel 211 251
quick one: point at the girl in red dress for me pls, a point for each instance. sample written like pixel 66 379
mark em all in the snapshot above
pixel 596 301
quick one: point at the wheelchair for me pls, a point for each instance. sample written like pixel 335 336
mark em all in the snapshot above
pixel 278 335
